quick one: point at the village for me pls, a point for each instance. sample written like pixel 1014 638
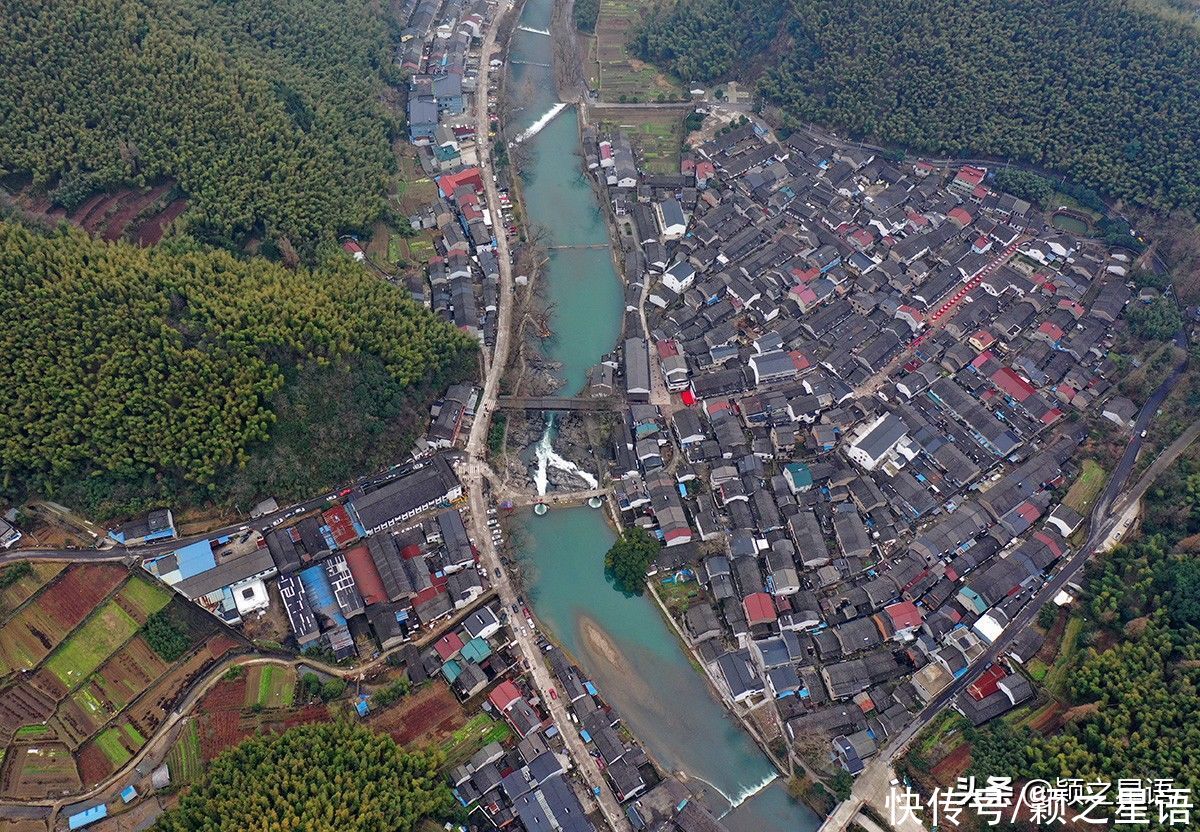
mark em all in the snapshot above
pixel 848 399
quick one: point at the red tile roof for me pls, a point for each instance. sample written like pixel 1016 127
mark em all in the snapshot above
pixel 904 615
pixel 504 695
pixel 366 576
pixel 1008 380
pixel 760 609
pixel 448 645
pixel 987 684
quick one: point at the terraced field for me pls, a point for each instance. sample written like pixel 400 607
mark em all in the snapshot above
pixel 270 686
pixel 90 645
pixel 622 77
pixel 94 690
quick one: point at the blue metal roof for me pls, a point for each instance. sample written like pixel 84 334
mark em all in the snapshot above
pixel 195 558
pixel 87 816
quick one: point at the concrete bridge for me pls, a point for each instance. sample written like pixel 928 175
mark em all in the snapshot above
pixel 580 404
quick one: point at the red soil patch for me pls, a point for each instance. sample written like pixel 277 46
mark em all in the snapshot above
pixel 953 764
pixel 92 222
pixel 76 593
pixel 151 231
pixel 132 205
pixel 93 765
pixel 81 211
pixel 1049 721
pixel 427 716
pixel 219 645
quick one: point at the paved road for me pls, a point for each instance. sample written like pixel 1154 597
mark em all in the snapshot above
pixel 475 467
pixel 873 783
pixel 264 524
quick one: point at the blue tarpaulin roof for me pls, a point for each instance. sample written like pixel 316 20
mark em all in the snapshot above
pixel 128 793
pixel 82 819
pixel 195 558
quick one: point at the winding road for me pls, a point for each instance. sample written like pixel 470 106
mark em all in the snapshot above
pixel 474 469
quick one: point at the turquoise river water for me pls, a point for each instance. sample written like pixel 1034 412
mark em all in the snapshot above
pixel 623 643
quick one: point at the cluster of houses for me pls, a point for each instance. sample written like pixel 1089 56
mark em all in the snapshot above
pixel 363 571
pixel 435 52
pixel 464 275
pixel 524 780
pixel 881 373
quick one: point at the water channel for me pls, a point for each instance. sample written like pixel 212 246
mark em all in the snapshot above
pixel 622 643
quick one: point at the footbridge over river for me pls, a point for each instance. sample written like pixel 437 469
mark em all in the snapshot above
pixel 578 404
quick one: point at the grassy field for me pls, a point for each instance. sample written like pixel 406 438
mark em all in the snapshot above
pixel 269 686
pixel 1086 488
pixel 656 136
pixel 1056 677
pixel 184 762
pixel 88 647
pixel 480 730
pixel 142 598
pixel 677 596
pixel 36 576
pixel 622 77
pixel 109 741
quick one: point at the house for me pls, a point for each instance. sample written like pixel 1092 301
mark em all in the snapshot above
pixel 432 485
pixel 637 370
pixel 670 219
pixel 760 608
pixel 157 525
pixel 422 119
pixel 799 477
pixel 1120 411
pixel 740 675
pixel 877 441
pixel 679 277
pixel 9 534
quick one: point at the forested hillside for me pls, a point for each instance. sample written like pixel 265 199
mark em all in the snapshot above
pixel 133 373
pixel 318 778
pixel 704 40
pixel 267 113
pixel 1101 90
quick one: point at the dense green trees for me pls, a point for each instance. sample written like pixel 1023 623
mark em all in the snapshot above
pixel 336 777
pixel 266 112
pixel 1101 90
pixel 629 557
pixel 703 40
pixel 165 637
pixel 1158 320
pixel 159 366
pixel 1137 702
pixel 586 13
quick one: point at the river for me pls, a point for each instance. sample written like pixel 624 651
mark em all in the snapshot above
pixel 622 643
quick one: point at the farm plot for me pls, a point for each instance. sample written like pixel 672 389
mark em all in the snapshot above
pixel 270 686
pixel 623 77
pixel 112 748
pixel 184 761
pixel 90 645
pixel 141 598
pixel 41 625
pixel 479 731
pixel 127 673
pixel 33 576
pixel 22 705
pixel 36 771
pixel 656 136
pixel 426 717
pixel 148 710
pixel 79 716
